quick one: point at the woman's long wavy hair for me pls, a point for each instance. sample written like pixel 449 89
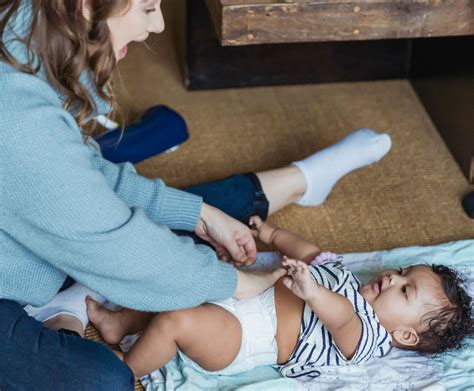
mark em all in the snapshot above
pixel 62 39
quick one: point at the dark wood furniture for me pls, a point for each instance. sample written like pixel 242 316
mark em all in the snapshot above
pixel 247 22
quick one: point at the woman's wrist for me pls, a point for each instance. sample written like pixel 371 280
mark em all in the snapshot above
pixel 231 239
pixel 241 282
pixel 250 284
pixel 205 216
pixel 244 285
pixel 205 210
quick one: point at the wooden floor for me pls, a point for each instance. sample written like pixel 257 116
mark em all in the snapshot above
pixel 412 197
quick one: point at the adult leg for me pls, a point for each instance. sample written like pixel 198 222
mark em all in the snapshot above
pixel 37 358
pixel 67 309
pixel 307 182
pixel 315 176
pixel 282 186
pixel 240 196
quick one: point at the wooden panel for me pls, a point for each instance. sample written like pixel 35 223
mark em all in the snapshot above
pixel 209 65
pixel 247 22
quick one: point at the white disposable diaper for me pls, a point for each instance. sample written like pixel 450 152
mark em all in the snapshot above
pixel 259 325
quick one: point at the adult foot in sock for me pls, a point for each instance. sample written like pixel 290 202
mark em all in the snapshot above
pixel 325 168
pixel 108 323
pixel 70 301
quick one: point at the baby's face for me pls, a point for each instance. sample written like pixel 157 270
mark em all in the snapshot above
pixel 401 298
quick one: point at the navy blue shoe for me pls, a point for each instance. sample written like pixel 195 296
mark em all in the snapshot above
pixel 468 204
pixel 160 129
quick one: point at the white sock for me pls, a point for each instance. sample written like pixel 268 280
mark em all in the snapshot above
pixel 70 302
pixel 323 169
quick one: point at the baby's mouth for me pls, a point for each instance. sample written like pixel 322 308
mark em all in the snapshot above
pixel 377 286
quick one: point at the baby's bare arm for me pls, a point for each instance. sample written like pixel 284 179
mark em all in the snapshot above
pixel 334 310
pixel 285 241
pixel 339 317
pixel 294 246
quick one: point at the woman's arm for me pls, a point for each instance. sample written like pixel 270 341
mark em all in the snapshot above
pixel 232 240
pixel 179 210
pixel 286 242
pixel 162 204
pixel 68 217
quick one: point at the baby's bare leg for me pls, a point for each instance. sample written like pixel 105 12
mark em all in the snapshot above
pixel 114 325
pixel 208 334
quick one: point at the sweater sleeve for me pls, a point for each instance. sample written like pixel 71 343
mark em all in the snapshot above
pixel 65 212
pixel 163 205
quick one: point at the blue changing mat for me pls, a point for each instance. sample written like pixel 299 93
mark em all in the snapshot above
pixel 399 370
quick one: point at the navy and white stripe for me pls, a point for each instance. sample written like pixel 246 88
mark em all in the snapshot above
pixel 316 347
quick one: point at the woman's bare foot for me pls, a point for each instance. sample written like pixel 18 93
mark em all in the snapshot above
pixel 108 323
pixel 251 284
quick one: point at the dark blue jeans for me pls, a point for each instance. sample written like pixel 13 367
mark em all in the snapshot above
pixel 33 357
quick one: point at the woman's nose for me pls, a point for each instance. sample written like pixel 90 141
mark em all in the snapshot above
pixel 158 24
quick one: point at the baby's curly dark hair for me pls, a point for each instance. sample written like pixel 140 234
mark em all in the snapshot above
pixel 449 325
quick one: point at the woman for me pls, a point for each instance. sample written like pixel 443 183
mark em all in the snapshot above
pixel 66 211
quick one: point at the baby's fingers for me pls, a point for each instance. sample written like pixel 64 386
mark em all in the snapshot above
pixel 289 262
pixel 288 282
pixel 298 273
pixel 256 220
pixel 302 267
pixel 301 273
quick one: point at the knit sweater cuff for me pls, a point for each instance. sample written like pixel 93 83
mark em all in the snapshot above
pixel 179 209
pixel 223 283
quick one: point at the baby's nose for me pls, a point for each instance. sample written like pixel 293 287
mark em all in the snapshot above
pixel 393 278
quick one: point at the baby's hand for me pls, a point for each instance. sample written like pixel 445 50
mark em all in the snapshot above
pixel 299 279
pixel 261 229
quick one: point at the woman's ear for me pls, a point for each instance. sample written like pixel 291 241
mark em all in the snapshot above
pixel 405 337
pixel 87 10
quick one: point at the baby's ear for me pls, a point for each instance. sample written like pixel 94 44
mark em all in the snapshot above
pixel 405 337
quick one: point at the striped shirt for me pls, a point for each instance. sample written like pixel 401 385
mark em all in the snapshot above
pixel 315 347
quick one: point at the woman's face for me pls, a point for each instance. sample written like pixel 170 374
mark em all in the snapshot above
pixel 136 23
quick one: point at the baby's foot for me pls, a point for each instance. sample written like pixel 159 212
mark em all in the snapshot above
pixel 106 322
pixel 253 283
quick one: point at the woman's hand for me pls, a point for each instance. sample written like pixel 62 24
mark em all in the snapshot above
pixel 250 284
pixel 232 240
pixel 299 279
pixel 262 230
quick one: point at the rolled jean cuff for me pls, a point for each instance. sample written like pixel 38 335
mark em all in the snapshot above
pixel 260 202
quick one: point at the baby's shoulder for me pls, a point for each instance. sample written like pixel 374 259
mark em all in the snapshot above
pixel 334 275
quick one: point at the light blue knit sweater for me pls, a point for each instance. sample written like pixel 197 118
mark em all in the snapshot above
pixel 64 210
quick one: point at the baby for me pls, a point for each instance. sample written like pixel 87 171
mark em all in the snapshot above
pixel 318 314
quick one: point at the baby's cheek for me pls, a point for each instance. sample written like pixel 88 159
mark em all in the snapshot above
pixel 366 293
